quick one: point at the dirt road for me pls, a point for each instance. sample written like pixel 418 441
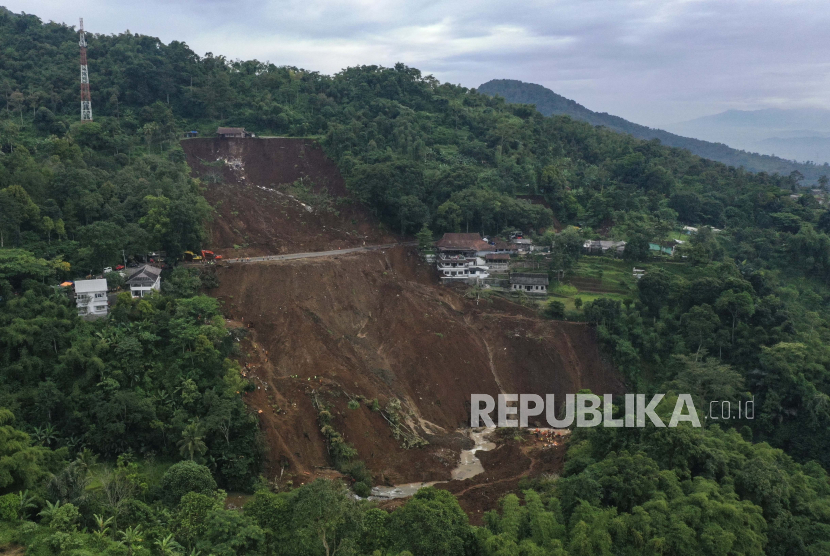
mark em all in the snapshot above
pixel 313 254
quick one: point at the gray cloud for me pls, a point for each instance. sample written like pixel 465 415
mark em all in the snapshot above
pixel 652 61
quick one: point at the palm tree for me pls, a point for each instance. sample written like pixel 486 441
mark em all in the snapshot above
pixel 27 502
pixel 45 435
pixel 192 442
pixel 130 537
pixel 102 527
pixel 168 547
pixel 49 511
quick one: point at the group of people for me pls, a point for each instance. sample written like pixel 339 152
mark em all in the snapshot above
pixel 548 436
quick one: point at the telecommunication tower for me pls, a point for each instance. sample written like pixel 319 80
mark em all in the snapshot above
pixel 86 100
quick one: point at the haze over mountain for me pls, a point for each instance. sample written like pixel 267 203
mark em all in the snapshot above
pixel 799 133
pixel 549 103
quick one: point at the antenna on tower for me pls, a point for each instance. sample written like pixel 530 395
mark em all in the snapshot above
pixel 86 100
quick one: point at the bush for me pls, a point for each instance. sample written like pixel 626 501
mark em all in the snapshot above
pixel 65 518
pixel 354 404
pixel 114 280
pixel 358 471
pixel 184 477
pixel 362 489
pixel 554 310
pixel 8 507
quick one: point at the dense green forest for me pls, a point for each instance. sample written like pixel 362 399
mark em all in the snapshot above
pixel 552 104
pixel 95 413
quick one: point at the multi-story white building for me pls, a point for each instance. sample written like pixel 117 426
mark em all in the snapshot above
pixel 91 297
pixel 458 260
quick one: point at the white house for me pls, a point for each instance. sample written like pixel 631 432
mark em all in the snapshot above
pixel 144 280
pixel 529 282
pixel 91 297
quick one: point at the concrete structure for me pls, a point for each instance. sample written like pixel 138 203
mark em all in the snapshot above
pixel 233 132
pixel 530 283
pixel 144 280
pixel 497 262
pixel 457 259
pixel 499 246
pixel 523 245
pixel 603 247
pixel 91 298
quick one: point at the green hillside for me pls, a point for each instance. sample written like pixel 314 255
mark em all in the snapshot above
pixel 550 103
pixel 117 436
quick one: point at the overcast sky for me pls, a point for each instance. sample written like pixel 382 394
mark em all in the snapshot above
pixel 651 61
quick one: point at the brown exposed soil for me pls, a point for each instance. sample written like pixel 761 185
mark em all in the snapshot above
pixel 377 325
pixel 327 331
pixel 255 208
pixel 12 550
pixel 504 467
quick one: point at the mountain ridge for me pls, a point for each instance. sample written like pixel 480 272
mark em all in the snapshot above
pixel 550 103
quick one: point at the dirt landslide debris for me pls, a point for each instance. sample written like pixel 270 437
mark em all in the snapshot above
pixel 377 326
pixel 275 196
pixel 391 355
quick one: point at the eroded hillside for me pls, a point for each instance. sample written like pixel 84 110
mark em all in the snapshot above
pixel 277 195
pixel 377 325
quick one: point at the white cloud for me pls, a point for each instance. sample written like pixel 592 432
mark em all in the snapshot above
pixel 652 61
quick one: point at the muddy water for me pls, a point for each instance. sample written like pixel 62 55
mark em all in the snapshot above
pixel 468 467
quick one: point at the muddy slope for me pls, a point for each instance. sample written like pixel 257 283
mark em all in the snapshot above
pixel 248 182
pixel 378 325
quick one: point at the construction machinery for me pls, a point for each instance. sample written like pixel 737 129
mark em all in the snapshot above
pixel 210 255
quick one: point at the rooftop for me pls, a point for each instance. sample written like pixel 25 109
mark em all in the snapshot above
pixel 230 130
pixel 529 278
pixel 145 273
pixel 472 242
pixel 89 286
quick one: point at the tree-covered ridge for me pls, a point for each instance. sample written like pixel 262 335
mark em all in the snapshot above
pixel 550 103
pixel 416 150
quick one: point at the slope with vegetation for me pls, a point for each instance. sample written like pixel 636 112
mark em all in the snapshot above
pixel 744 313
pixel 552 104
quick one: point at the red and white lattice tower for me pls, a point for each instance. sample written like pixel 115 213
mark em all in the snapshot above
pixel 86 100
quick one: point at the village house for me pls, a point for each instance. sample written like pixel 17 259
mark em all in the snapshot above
pixel 529 282
pixel 497 262
pixel 666 247
pixel 91 298
pixel 604 247
pixel 522 245
pixel 458 260
pixel 144 280
pixel 233 132
pixel 496 245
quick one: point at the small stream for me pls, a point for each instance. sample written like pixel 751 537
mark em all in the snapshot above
pixel 469 466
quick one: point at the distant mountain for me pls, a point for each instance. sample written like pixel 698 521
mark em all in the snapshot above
pixel 549 103
pixel 775 118
pixel 800 133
